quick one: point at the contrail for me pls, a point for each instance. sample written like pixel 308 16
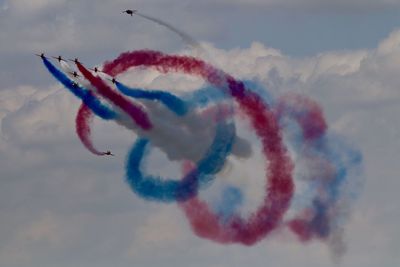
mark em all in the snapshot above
pixel 185 37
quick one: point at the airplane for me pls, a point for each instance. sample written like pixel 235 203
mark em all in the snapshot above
pixel 113 80
pixel 95 69
pixel 75 84
pixel 76 61
pixel 59 58
pixel 108 153
pixel 41 55
pixel 75 74
pixel 130 11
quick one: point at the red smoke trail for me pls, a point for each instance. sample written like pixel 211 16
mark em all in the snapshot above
pixel 313 221
pixel 306 112
pixel 279 186
pixel 83 119
pixel 135 112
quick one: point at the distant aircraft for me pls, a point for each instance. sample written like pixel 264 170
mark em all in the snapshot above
pixel 59 58
pixel 108 153
pixel 75 74
pixel 76 61
pixel 130 11
pixel 95 69
pixel 41 55
pixel 113 80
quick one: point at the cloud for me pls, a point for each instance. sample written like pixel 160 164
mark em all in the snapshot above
pixel 78 207
pixel 24 7
pixel 340 5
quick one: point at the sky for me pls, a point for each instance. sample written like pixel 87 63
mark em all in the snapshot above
pixel 62 206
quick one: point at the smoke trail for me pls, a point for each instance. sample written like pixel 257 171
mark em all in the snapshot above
pixel 326 205
pixel 313 221
pixel 171 101
pixel 167 190
pixel 185 37
pixel 66 67
pixel 85 95
pixel 321 218
pixel 83 119
pixel 135 112
pixel 280 186
pixel 306 112
pixel 330 189
pixel 168 126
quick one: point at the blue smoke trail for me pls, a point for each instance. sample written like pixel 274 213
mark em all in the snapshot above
pixel 84 94
pixel 204 96
pixel 160 189
pixel 199 98
pixel 180 106
pixel 173 102
pixel 211 94
pixel 344 158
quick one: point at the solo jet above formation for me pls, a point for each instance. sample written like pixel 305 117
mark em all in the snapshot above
pixel 130 11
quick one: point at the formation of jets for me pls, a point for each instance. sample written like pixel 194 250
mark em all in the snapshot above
pixel 75 75
pixel 76 60
pixel 95 69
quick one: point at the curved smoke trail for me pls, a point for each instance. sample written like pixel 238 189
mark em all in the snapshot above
pixel 279 188
pixel 174 124
pixel 185 37
pixel 82 122
pixel 166 190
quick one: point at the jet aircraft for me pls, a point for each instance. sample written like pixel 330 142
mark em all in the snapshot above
pixel 41 55
pixel 75 74
pixel 108 153
pixel 76 60
pixel 59 58
pixel 130 11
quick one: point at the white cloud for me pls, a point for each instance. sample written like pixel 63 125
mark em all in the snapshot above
pixel 343 5
pixel 24 7
pixel 43 165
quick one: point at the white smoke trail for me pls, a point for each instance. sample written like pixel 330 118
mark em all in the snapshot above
pixel 174 135
pixel 189 40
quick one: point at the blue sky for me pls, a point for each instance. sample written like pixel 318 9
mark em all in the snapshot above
pixel 297 30
pixel 61 206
